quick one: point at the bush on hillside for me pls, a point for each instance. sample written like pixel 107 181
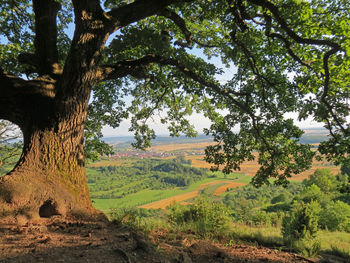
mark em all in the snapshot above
pixel 324 179
pixel 300 227
pixel 261 218
pixel 344 180
pixel 280 207
pixel 302 221
pixel 314 193
pixel 205 217
pixel 336 216
pixel 284 197
pixel 137 218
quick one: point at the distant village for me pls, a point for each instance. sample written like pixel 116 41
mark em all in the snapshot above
pixel 153 154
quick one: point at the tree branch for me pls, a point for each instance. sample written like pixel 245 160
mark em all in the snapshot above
pixel 11 85
pixel 289 50
pixel 129 67
pixel 93 27
pixel 334 48
pixel 182 25
pixel 138 10
pixel 18 96
pixel 275 11
pixel 90 35
pixel 122 69
pixel 45 41
pixel 253 64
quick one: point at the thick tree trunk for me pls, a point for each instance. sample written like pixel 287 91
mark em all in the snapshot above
pixel 51 110
pixel 49 178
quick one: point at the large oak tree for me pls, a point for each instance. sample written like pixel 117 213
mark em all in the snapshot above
pixel 290 56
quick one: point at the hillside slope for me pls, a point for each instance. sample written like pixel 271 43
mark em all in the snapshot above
pixel 57 240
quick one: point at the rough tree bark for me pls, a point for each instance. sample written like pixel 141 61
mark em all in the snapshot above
pixel 49 177
pixel 51 109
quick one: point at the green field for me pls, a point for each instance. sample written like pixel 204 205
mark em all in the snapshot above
pixel 148 196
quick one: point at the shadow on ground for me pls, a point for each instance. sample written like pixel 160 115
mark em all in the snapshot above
pixel 57 240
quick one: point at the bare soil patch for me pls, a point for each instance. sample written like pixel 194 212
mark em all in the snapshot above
pixel 57 240
pixel 222 189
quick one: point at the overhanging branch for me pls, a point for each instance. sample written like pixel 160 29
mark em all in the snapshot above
pixel 18 95
pixel 283 24
pixel 182 25
pixel 11 86
pixel 130 67
pixel 333 46
pixel 138 10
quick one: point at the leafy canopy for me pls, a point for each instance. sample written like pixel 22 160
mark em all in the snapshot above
pixel 290 55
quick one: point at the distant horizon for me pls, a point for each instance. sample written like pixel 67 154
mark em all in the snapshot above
pixel 198 121
pixel 199 134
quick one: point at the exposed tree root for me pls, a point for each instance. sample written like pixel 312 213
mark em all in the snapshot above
pixel 29 198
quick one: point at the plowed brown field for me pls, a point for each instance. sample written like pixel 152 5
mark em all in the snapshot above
pixel 222 189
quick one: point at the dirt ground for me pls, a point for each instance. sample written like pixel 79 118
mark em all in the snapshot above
pixel 57 240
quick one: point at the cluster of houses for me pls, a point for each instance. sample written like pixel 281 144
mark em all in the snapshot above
pixel 153 154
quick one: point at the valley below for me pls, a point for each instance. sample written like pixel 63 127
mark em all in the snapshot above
pixel 165 205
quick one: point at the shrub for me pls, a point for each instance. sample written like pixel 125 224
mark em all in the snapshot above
pixel 324 179
pixel 243 210
pixel 136 218
pixel 276 218
pixel 344 180
pixel 313 193
pixel 300 226
pixel 280 207
pixel 336 216
pixel 339 252
pixel 261 218
pixel 307 247
pixel 302 221
pixel 205 217
pixel 178 215
pixel 284 197
pixel 126 216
